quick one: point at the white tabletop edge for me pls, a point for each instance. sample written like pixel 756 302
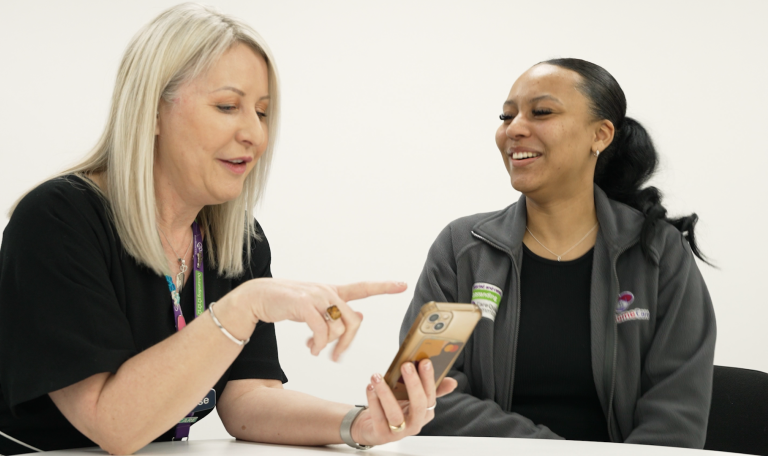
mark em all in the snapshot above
pixel 411 446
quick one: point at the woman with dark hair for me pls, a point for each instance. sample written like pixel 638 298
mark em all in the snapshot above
pixel 597 323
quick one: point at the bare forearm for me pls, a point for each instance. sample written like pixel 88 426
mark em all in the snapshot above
pixel 275 415
pixel 152 391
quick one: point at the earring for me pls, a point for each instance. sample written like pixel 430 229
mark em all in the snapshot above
pixel 597 153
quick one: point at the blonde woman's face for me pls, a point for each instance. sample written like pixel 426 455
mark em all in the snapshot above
pixel 211 135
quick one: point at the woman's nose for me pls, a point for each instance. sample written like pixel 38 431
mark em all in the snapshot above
pixel 518 127
pixel 253 132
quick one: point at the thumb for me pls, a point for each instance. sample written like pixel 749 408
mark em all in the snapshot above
pixel 446 386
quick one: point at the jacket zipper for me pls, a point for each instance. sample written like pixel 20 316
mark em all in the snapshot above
pixel 517 319
pixel 615 344
pixel 517 330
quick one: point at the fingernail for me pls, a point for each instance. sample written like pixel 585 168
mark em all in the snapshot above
pixel 369 387
pixel 427 365
pixel 408 368
pixel 401 284
pixel 376 378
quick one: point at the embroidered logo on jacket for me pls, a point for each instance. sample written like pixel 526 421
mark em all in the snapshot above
pixel 487 297
pixel 626 298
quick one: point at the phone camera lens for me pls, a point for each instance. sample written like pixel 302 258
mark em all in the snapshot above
pixel 439 326
pixel 434 317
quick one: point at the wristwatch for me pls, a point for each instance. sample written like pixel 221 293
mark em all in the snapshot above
pixel 346 428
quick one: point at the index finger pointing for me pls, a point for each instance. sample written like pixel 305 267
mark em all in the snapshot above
pixel 362 290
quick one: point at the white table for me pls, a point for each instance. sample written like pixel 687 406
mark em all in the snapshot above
pixel 410 446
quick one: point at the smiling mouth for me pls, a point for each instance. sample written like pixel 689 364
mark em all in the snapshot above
pixel 236 165
pixel 524 155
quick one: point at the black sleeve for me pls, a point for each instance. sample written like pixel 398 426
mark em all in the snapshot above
pixel 60 321
pixel 259 357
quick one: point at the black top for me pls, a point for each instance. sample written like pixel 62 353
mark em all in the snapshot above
pixel 74 304
pixel 553 382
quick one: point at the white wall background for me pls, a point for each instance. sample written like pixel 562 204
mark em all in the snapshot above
pixel 390 109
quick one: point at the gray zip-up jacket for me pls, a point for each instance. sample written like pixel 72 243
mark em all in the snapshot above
pixel 652 328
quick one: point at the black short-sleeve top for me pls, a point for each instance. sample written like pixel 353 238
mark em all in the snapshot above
pixel 74 304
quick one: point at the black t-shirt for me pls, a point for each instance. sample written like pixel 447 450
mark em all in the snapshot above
pixel 554 385
pixel 74 304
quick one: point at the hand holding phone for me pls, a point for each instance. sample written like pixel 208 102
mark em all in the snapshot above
pixel 388 419
pixel 439 334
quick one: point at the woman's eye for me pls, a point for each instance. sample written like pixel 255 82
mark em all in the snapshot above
pixel 541 112
pixel 226 108
pixel 506 117
pixel 263 115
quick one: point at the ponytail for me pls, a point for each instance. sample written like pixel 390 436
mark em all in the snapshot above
pixel 621 171
pixel 626 165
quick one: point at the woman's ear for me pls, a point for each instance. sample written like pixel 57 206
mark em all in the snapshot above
pixel 603 135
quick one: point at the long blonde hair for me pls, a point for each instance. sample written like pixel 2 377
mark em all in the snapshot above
pixel 178 45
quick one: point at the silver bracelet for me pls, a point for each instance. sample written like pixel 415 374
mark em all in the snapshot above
pixel 226 333
pixel 346 428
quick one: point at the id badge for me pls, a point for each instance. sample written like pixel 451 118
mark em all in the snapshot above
pixel 208 402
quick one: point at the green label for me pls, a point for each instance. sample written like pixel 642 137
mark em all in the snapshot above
pixel 188 420
pixel 200 296
pixel 486 295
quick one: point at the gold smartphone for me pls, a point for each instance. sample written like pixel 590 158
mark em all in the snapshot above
pixel 439 333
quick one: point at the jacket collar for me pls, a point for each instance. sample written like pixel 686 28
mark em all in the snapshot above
pixel 620 225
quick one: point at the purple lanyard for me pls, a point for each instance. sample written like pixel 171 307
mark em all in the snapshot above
pixel 197 277
pixel 182 429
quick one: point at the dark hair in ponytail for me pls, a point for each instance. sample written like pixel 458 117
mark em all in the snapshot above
pixel 631 159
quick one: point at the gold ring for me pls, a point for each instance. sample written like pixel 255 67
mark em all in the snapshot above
pixel 332 313
pixel 398 428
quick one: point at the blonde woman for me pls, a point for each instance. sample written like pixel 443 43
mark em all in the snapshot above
pixel 135 288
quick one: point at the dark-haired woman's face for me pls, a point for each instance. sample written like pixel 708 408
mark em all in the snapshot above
pixel 548 134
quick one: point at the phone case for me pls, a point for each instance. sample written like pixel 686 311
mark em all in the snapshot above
pixel 439 333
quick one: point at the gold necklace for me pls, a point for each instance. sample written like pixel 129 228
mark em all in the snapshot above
pixel 559 257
